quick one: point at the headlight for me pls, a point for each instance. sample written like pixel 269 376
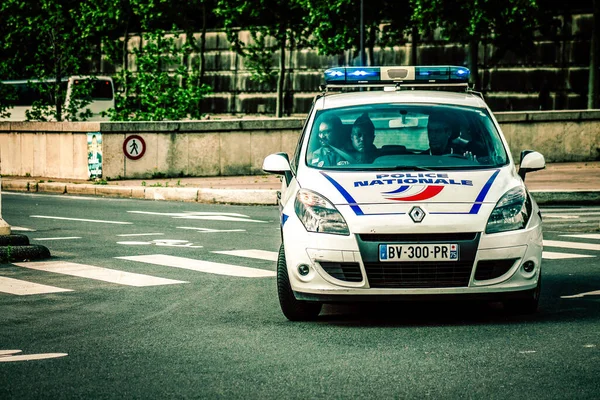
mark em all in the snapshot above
pixel 317 214
pixel 512 212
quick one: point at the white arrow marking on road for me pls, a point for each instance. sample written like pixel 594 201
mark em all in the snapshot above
pixel 58 238
pixel 7 356
pixel 586 236
pixel 206 230
pixel 24 288
pixel 201 266
pixel 164 242
pixel 550 255
pixel 576 296
pixel 97 273
pixel 572 245
pixel 259 254
pixel 213 216
pixel 82 220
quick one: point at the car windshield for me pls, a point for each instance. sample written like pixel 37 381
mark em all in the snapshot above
pixel 401 136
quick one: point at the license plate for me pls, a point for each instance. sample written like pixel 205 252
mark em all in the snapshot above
pixel 418 252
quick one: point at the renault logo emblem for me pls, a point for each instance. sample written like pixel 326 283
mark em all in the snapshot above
pixel 417 214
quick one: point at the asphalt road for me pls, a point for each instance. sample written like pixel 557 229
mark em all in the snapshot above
pixel 199 333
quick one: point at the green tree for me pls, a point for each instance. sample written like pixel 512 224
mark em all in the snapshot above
pixel 41 40
pixel 274 26
pixel 335 25
pixel 509 25
pixel 161 88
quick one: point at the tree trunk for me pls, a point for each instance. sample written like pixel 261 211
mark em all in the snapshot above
pixel 593 84
pixel 281 77
pixel 472 63
pixel 414 45
pixel 203 44
pixel 125 58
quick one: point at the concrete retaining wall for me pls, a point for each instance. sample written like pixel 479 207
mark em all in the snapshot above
pixel 238 147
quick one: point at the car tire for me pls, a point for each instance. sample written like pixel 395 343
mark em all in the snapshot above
pixel 293 309
pixel 528 304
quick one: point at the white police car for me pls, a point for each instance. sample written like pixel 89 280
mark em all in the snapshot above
pixel 405 193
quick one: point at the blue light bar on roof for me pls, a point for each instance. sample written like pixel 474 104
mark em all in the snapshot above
pixel 399 74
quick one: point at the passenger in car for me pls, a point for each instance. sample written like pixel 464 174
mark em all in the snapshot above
pixel 362 138
pixel 443 138
pixel 330 140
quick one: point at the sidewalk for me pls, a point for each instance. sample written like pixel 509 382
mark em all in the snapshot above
pixel 558 183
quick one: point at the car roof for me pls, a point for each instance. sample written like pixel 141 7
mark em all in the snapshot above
pixel 338 100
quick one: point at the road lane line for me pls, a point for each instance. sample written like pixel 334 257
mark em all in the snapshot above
pixel 58 238
pixel 201 266
pixel 579 295
pixel 207 230
pixel 142 234
pixel 220 218
pixel 82 220
pixel 549 255
pixel 24 288
pixel 9 352
pixel 252 253
pixel 572 245
pixel 183 214
pixel 31 357
pixel 595 236
pixel 99 274
pixel 21 229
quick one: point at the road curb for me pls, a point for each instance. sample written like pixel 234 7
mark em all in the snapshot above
pixel 556 197
pixel 16 247
pixel 238 196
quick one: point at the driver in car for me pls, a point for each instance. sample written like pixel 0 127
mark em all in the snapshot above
pixel 440 135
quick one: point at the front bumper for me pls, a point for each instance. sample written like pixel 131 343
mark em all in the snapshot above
pixel 341 267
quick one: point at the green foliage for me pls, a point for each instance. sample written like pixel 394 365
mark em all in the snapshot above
pixel 162 88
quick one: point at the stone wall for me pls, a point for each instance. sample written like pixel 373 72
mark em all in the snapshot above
pixel 512 83
pixel 237 147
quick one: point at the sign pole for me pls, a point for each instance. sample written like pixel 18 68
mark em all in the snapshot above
pixel 4 226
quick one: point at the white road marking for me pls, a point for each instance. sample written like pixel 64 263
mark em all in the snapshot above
pixel 82 220
pixel 58 238
pixel 24 288
pixel 206 230
pixel 572 245
pixel 589 346
pixel 9 352
pixel 220 218
pixel 579 295
pixel 142 234
pixel 21 229
pixel 164 242
pixel 30 357
pixel 201 266
pixel 550 255
pixel 595 236
pixel 97 273
pixel 527 352
pixel 560 216
pixel 259 254
pixel 183 214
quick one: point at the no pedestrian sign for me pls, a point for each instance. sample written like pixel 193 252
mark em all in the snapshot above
pixel 134 147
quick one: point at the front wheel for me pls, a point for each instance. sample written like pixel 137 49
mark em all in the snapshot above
pixel 294 310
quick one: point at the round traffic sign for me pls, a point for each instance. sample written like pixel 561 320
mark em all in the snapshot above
pixel 134 147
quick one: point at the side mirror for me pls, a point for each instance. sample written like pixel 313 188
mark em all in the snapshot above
pixel 278 163
pixel 531 161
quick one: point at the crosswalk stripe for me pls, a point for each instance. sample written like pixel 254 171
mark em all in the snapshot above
pixel 572 245
pixel 97 273
pixel 201 266
pixel 253 253
pixel 585 236
pixel 23 288
pixel 549 255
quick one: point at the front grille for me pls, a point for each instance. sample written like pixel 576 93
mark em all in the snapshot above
pixel 490 269
pixel 349 272
pixel 417 238
pixel 419 274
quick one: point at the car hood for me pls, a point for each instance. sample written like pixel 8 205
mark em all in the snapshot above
pixel 400 189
